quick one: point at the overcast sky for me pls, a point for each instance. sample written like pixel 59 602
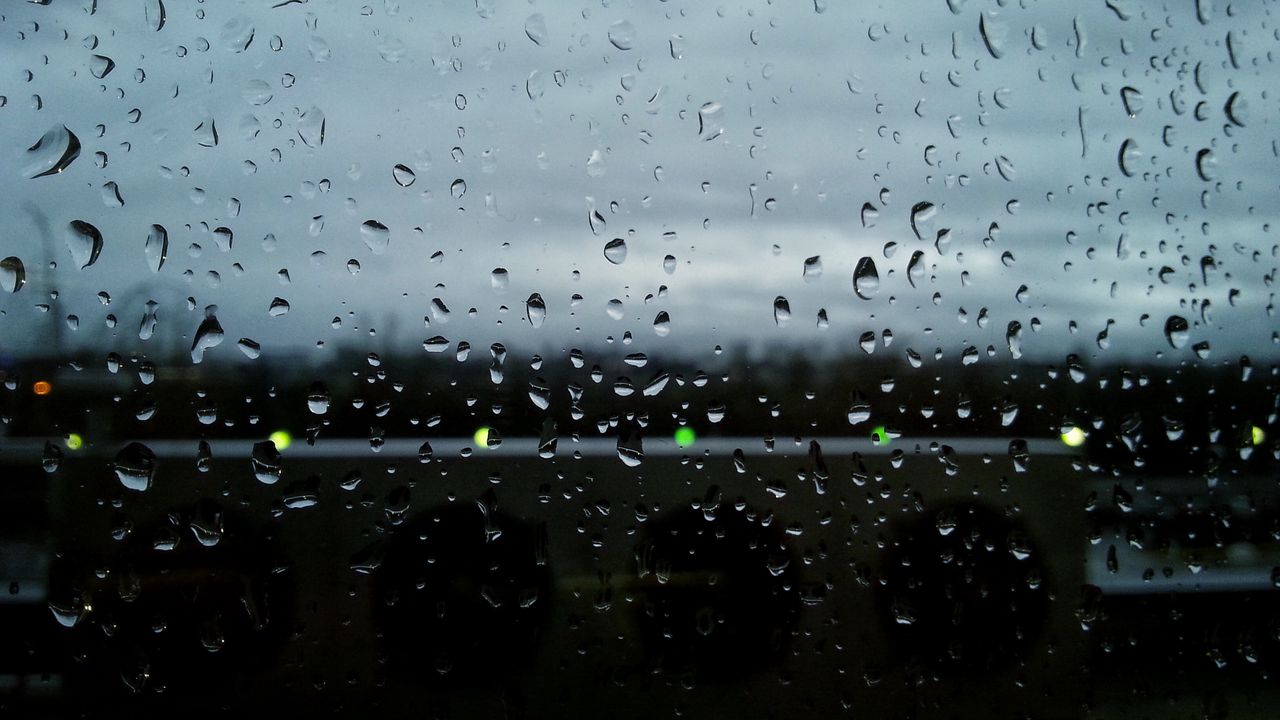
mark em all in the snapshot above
pixel 661 117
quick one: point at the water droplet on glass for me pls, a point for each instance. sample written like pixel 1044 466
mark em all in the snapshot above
pixel 101 66
pixel 547 439
pixel 404 176
pixel 662 324
pixel 866 279
pixel 1204 11
pixel 536 310
pixel 135 466
pixel 148 326
pixel 52 458
pixel 153 10
pixel 279 306
pixel 676 45
pixel 457 189
pixel 311 127
pixel 13 274
pixel 781 311
pixel 595 164
pixel 922 215
pixel 267 462
pixel 1004 166
pixel 1129 156
pixel 622 34
pixel 111 196
pixel 207 527
pixel 208 335
pixel 257 93
pixel 1013 338
pixel 615 251
pixel 84 242
pixel 915 267
pixel 69 614
pixel 631 450
pixel 376 236
pixel 1236 109
pixel 716 411
pixel 536 28
pixel 1132 100
pixel 867 341
pixel 237 34
pixel 812 268
pixel 206 133
pixel 859 410
pixel 224 238
pixel 994 34
pixel 1008 412
pixel 540 393
pixel 318 399
pixel 869 215
pixel 1206 164
pixel 156 249
pixel 499 280
pixel 318 48
pixel 710 121
pixel 392 49
pixel 52 153
pixel 1177 331
pixel 596 222
pixel 535 86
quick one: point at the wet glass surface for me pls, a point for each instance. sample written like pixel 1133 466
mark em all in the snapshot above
pixel 639 359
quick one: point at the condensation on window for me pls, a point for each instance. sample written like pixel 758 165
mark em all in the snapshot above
pixel 639 359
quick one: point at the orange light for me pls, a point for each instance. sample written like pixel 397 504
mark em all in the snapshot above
pixel 42 387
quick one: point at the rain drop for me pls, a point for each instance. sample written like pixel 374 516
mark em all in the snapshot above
pixel 101 66
pixel 536 28
pixel 536 310
pixel 403 175
pixel 922 215
pixel 156 249
pixel 13 274
pixel 812 268
pixel 615 251
pixel 866 279
pixel 499 280
pixel 781 311
pixel 84 242
pixel 208 335
pixel 135 467
pixel 662 324
pixel 622 34
pixel 52 153
pixel 1132 100
pixel 376 236
pixel 1177 331
pixel 267 462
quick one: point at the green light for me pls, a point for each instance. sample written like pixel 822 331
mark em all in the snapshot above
pixel 75 442
pixel 481 437
pixel 685 436
pixel 1073 436
pixel 1259 435
pixel 879 436
pixel 281 438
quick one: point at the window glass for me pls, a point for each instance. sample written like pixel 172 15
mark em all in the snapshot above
pixel 490 358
